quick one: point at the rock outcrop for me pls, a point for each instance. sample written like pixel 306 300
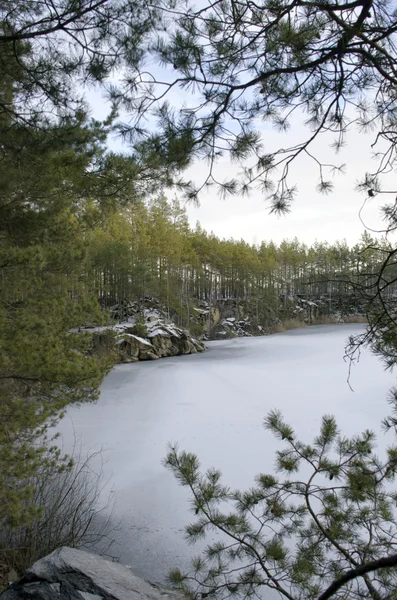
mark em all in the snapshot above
pixel 158 338
pixel 69 574
pixel 132 348
pixel 232 317
pixel 236 317
pixel 222 318
pixel 163 339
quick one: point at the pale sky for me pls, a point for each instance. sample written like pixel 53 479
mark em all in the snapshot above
pixel 313 216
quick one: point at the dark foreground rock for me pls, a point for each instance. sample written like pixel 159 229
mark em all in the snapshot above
pixel 69 574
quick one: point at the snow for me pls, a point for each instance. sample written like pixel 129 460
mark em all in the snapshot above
pixel 141 340
pixel 150 313
pixel 213 404
pixel 158 331
pixel 172 330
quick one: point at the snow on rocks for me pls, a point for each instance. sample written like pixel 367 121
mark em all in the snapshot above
pixel 167 340
pixel 158 337
pixel 133 348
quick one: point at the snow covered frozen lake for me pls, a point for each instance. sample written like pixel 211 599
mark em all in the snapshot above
pixel 214 404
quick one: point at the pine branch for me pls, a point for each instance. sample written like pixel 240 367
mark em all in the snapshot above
pixel 386 562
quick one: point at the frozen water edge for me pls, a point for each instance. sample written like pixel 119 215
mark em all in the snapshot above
pixel 213 404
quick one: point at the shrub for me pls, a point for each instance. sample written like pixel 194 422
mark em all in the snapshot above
pixel 274 328
pixel 355 319
pixel 326 320
pixel 196 329
pixel 139 328
pixel 65 507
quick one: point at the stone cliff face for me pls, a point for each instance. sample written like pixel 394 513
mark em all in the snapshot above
pixel 69 574
pixel 233 317
pixel 146 330
pixel 162 340
pixel 147 335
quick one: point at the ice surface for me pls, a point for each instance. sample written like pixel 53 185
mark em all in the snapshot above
pixel 213 404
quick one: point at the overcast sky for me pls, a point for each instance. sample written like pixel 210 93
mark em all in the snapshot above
pixel 313 216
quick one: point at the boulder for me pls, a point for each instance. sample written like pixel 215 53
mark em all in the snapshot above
pixel 170 340
pixel 162 343
pixel 70 574
pixel 162 337
pixel 137 348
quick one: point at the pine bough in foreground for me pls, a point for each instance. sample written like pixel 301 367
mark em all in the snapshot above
pixel 331 532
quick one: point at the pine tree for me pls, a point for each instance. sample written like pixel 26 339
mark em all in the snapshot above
pixel 323 526
pixel 55 181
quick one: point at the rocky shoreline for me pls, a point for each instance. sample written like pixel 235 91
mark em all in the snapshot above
pixel 70 574
pixel 146 336
pixel 146 330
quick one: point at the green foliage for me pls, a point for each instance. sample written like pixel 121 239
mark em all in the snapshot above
pixel 140 329
pixel 69 235
pixel 196 329
pixel 49 181
pixel 149 250
pixel 36 41
pixel 72 230
pixel 239 64
pixel 335 511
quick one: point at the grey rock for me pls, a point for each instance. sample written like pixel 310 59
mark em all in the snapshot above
pixel 89 596
pixel 137 348
pixel 69 574
pixel 163 339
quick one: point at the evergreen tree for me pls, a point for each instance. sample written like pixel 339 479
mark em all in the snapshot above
pixel 242 63
pixel 53 49
pixel 239 64
pixel 324 527
pixel 55 182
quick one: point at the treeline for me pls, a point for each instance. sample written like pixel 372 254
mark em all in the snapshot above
pixel 150 250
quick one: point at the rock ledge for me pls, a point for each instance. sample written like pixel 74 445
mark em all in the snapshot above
pixel 69 574
pixel 162 338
